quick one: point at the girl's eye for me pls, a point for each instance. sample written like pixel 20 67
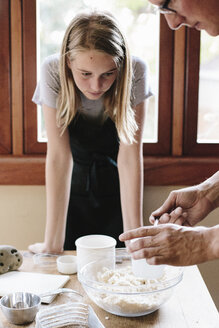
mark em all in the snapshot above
pixel 107 74
pixel 85 74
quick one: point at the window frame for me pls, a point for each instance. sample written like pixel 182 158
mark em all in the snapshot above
pixel 5 82
pixel 191 147
pixel 169 162
pixel 163 145
pixel 31 145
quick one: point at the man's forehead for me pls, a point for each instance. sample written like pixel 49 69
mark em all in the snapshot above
pixel 157 2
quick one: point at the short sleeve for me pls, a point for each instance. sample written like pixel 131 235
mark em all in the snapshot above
pixel 48 87
pixel 141 87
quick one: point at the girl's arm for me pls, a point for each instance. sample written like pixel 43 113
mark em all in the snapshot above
pixel 130 167
pixel 58 180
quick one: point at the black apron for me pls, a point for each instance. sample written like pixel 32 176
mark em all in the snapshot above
pixel 94 205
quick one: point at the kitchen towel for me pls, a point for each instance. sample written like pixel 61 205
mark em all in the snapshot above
pixel 36 283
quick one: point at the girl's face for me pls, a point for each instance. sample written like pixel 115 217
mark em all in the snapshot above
pixel 94 72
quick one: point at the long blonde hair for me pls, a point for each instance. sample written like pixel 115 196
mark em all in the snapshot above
pixel 99 31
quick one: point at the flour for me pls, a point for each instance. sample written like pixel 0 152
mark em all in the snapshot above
pixel 140 296
pixel 125 277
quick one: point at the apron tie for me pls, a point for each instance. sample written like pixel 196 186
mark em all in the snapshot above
pixel 92 176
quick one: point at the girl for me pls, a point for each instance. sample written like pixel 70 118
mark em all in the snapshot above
pixel 93 98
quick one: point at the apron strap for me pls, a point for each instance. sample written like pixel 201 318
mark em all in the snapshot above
pixel 97 158
pixel 93 162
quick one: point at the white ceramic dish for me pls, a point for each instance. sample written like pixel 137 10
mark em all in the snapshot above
pixel 67 264
pixel 127 298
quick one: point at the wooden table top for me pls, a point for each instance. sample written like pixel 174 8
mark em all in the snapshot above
pixel 190 306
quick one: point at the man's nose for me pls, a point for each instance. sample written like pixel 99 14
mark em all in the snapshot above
pixel 175 21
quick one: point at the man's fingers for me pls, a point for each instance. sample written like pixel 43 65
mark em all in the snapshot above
pixel 146 253
pixel 167 206
pixel 156 260
pixel 177 216
pixel 139 232
pixel 142 243
pixel 157 214
pixel 151 219
pixel 165 218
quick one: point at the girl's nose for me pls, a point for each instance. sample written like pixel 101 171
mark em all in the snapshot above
pixel 95 84
pixel 175 21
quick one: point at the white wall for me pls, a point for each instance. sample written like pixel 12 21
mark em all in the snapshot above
pixel 22 221
pixel 22 215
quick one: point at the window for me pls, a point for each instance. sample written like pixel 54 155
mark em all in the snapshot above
pixel 196 122
pixel 208 111
pixel 139 22
pixel 181 154
pixel 141 25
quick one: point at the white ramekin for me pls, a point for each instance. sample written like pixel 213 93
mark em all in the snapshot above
pixel 67 264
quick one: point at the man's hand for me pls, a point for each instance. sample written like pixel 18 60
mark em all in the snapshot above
pixel 186 206
pixel 171 244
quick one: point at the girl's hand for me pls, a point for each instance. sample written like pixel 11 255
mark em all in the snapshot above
pixel 42 248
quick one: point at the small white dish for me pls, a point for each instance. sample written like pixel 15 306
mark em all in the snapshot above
pixel 67 264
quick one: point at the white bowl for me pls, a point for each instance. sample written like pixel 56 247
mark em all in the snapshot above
pixel 136 296
pixel 67 264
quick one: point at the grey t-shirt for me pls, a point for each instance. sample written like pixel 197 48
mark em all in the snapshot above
pixel 49 85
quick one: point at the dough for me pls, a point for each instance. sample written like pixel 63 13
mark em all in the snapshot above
pixel 139 296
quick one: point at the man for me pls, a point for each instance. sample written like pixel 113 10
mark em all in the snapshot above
pixel 174 241
pixel 199 14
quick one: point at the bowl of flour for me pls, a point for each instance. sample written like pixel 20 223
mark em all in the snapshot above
pixel 118 291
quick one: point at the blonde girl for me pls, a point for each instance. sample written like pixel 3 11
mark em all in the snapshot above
pixel 93 97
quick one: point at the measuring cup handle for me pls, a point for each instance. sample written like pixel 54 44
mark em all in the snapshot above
pixel 60 291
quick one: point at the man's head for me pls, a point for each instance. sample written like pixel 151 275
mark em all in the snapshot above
pixel 199 14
